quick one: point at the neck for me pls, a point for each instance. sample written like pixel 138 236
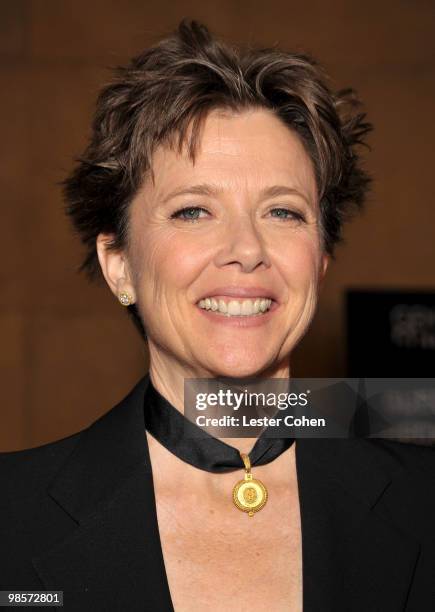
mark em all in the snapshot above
pixel 168 375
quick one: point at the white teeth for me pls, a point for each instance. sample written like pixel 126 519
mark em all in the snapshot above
pixel 222 307
pixel 263 306
pixel 247 308
pixel 237 308
pixel 234 308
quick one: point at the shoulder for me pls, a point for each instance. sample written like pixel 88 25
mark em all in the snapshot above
pixel 410 496
pixel 379 472
pixel 28 517
pixel 411 465
pixel 34 465
pixel 371 455
pixel 415 458
pixel 25 474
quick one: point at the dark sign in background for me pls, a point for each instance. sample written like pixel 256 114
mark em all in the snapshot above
pixel 391 333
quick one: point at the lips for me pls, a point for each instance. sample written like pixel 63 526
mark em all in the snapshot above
pixel 240 292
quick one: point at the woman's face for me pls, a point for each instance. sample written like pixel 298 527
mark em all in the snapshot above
pixel 239 226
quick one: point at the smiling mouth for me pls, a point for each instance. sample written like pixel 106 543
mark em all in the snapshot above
pixel 236 308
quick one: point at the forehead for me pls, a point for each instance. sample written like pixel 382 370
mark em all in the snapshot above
pixel 250 150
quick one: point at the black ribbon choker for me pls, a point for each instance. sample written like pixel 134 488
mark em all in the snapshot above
pixel 173 430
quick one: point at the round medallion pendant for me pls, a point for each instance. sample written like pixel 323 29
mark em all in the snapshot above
pixel 249 495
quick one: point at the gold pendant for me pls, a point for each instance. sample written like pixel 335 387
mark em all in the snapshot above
pixel 249 494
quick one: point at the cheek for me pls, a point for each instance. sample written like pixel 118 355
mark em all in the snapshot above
pixel 299 262
pixel 170 259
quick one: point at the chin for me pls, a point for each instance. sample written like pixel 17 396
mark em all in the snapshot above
pixel 239 368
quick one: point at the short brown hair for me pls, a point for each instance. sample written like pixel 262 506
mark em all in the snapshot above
pixel 173 85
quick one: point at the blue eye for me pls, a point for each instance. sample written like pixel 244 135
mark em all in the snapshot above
pixel 286 214
pixel 190 213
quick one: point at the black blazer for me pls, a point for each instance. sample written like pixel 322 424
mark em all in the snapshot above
pixel 79 515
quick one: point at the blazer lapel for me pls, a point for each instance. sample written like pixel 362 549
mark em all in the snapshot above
pixel 354 557
pixel 113 559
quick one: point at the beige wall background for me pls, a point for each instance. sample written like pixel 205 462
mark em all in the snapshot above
pixel 68 351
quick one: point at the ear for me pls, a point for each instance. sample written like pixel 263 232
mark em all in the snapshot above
pixel 323 268
pixel 115 267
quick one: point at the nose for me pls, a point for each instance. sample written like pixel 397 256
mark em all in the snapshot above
pixel 242 245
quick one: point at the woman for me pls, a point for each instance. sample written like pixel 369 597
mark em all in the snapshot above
pixel 211 196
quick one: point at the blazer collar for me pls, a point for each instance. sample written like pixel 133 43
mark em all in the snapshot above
pixel 108 451
pixel 354 556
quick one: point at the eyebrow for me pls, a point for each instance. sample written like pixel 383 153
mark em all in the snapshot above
pixel 279 190
pixel 201 189
pixel 205 189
